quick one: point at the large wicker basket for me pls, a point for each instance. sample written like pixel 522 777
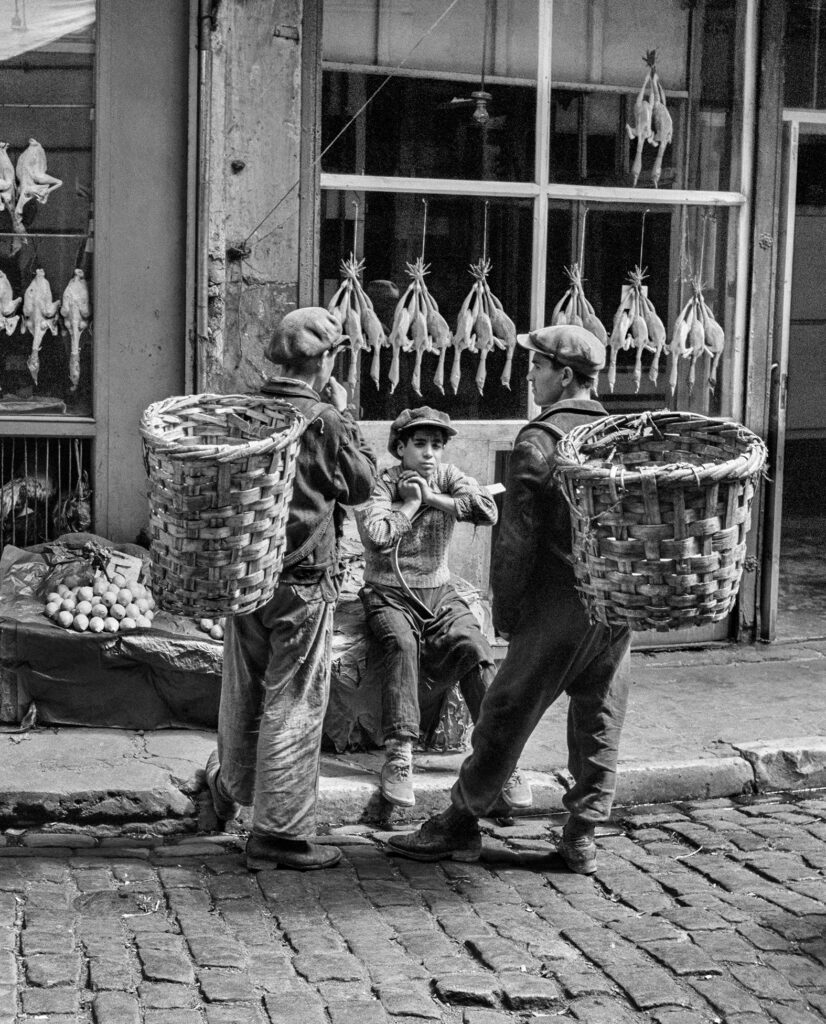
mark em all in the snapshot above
pixel 661 508
pixel 221 471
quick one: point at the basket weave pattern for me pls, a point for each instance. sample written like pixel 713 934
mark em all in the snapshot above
pixel 661 509
pixel 221 471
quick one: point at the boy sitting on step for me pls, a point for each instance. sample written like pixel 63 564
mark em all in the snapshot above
pixel 412 608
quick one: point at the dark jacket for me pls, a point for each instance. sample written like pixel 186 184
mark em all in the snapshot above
pixel 535 523
pixel 334 467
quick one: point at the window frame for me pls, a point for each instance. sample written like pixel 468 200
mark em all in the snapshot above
pixel 541 191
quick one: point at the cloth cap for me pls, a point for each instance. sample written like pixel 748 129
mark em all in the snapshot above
pixel 569 345
pixel 304 333
pixel 411 419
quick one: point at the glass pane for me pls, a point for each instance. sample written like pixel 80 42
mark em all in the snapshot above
pixel 389 236
pixel 46 175
pixel 671 251
pixel 615 122
pixel 805 54
pixel 461 102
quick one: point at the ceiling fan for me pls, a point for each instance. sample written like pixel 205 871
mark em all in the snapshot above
pixel 479 98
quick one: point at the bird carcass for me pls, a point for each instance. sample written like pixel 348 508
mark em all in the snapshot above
pixel 8 193
pixel 353 309
pixel 39 316
pixel 8 305
pixel 32 178
pixel 485 326
pixel 76 314
pixel 417 325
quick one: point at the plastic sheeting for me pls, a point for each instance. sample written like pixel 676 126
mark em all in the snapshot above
pixel 32 24
pixel 167 676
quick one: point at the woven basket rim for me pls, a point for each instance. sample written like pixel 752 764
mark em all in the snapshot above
pixel 151 422
pixel 570 462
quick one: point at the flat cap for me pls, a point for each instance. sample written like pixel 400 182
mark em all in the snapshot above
pixel 304 333
pixel 569 345
pixel 411 419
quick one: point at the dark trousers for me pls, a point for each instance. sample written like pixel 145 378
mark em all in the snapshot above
pixel 553 650
pixel 448 646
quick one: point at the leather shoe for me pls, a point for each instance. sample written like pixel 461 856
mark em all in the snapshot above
pixel 267 852
pixel 516 792
pixel 578 849
pixel 225 809
pixel 446 836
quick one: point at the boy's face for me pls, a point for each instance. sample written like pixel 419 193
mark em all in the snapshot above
pixel 422 451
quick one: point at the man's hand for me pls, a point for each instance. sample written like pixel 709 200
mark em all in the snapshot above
pixel 336 394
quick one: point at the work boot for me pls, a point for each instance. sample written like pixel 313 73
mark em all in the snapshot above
pixel 265 852
pixel 451 835
pixel 225 808
pixel 577 847
pixel 397 773
pixel 517 792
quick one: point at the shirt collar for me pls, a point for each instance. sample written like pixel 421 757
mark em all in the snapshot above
pixel 289 386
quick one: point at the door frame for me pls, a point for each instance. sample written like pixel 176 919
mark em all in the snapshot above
pixel 795 123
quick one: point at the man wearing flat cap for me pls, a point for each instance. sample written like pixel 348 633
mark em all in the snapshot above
pixel 276 673
pixel 553 648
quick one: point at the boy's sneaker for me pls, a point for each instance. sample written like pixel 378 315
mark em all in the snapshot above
pixel 517 792
pixel 397 773
pixel 225 808
pixel 446 836
pixel 577 848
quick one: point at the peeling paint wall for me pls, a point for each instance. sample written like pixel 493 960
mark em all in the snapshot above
pixel 254 143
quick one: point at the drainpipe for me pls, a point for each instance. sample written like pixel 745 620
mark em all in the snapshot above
pixel 206 16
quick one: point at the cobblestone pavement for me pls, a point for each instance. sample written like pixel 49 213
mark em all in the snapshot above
pixel 699 912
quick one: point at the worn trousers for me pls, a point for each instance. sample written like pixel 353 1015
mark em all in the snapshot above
pixel 274 693
pixel 448 646
pixel 553 650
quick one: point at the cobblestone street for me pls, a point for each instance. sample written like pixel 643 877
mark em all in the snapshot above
pixel 699 912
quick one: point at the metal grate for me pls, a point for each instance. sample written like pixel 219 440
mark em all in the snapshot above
pixel 44 488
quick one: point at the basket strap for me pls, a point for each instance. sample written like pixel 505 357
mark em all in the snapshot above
pixel 557 433
pixel 294 557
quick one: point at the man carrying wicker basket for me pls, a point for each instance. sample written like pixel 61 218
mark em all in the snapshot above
pixel 553 648
pixel 276 673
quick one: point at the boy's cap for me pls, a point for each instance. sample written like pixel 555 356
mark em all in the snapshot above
pixel 304 333
pixel 569 345
pixel 411 419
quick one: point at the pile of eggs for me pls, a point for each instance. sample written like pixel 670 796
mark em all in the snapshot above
pixel 215 627
pixel 103 606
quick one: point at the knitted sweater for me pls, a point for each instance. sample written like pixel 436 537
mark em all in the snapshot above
pixel 424 541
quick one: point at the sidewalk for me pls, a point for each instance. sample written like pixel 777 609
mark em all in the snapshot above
pixel 701 724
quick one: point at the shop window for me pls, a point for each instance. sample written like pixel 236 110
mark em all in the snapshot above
pixel 44 489
pixel 805 54
pixel 388 231
pixel 391 73
pixel 46 185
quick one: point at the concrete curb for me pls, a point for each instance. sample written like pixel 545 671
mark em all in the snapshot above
pixel 103 785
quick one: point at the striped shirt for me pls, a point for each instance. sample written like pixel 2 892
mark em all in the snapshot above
pixel 424 542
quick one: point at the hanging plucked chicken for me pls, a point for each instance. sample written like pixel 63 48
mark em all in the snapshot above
pixel 636 324
pixel 8 305
pixel 652 121
pixel 483 325
pixel 39 316
pixel 8 194
pixel 33 180
pixel 696 333
pixel 353 309
pixel 574 307
pixel 417 325
pixel 76 313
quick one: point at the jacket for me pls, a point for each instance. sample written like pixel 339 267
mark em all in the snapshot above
pixel 425 541
pixel 334 467
pixel 536 522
